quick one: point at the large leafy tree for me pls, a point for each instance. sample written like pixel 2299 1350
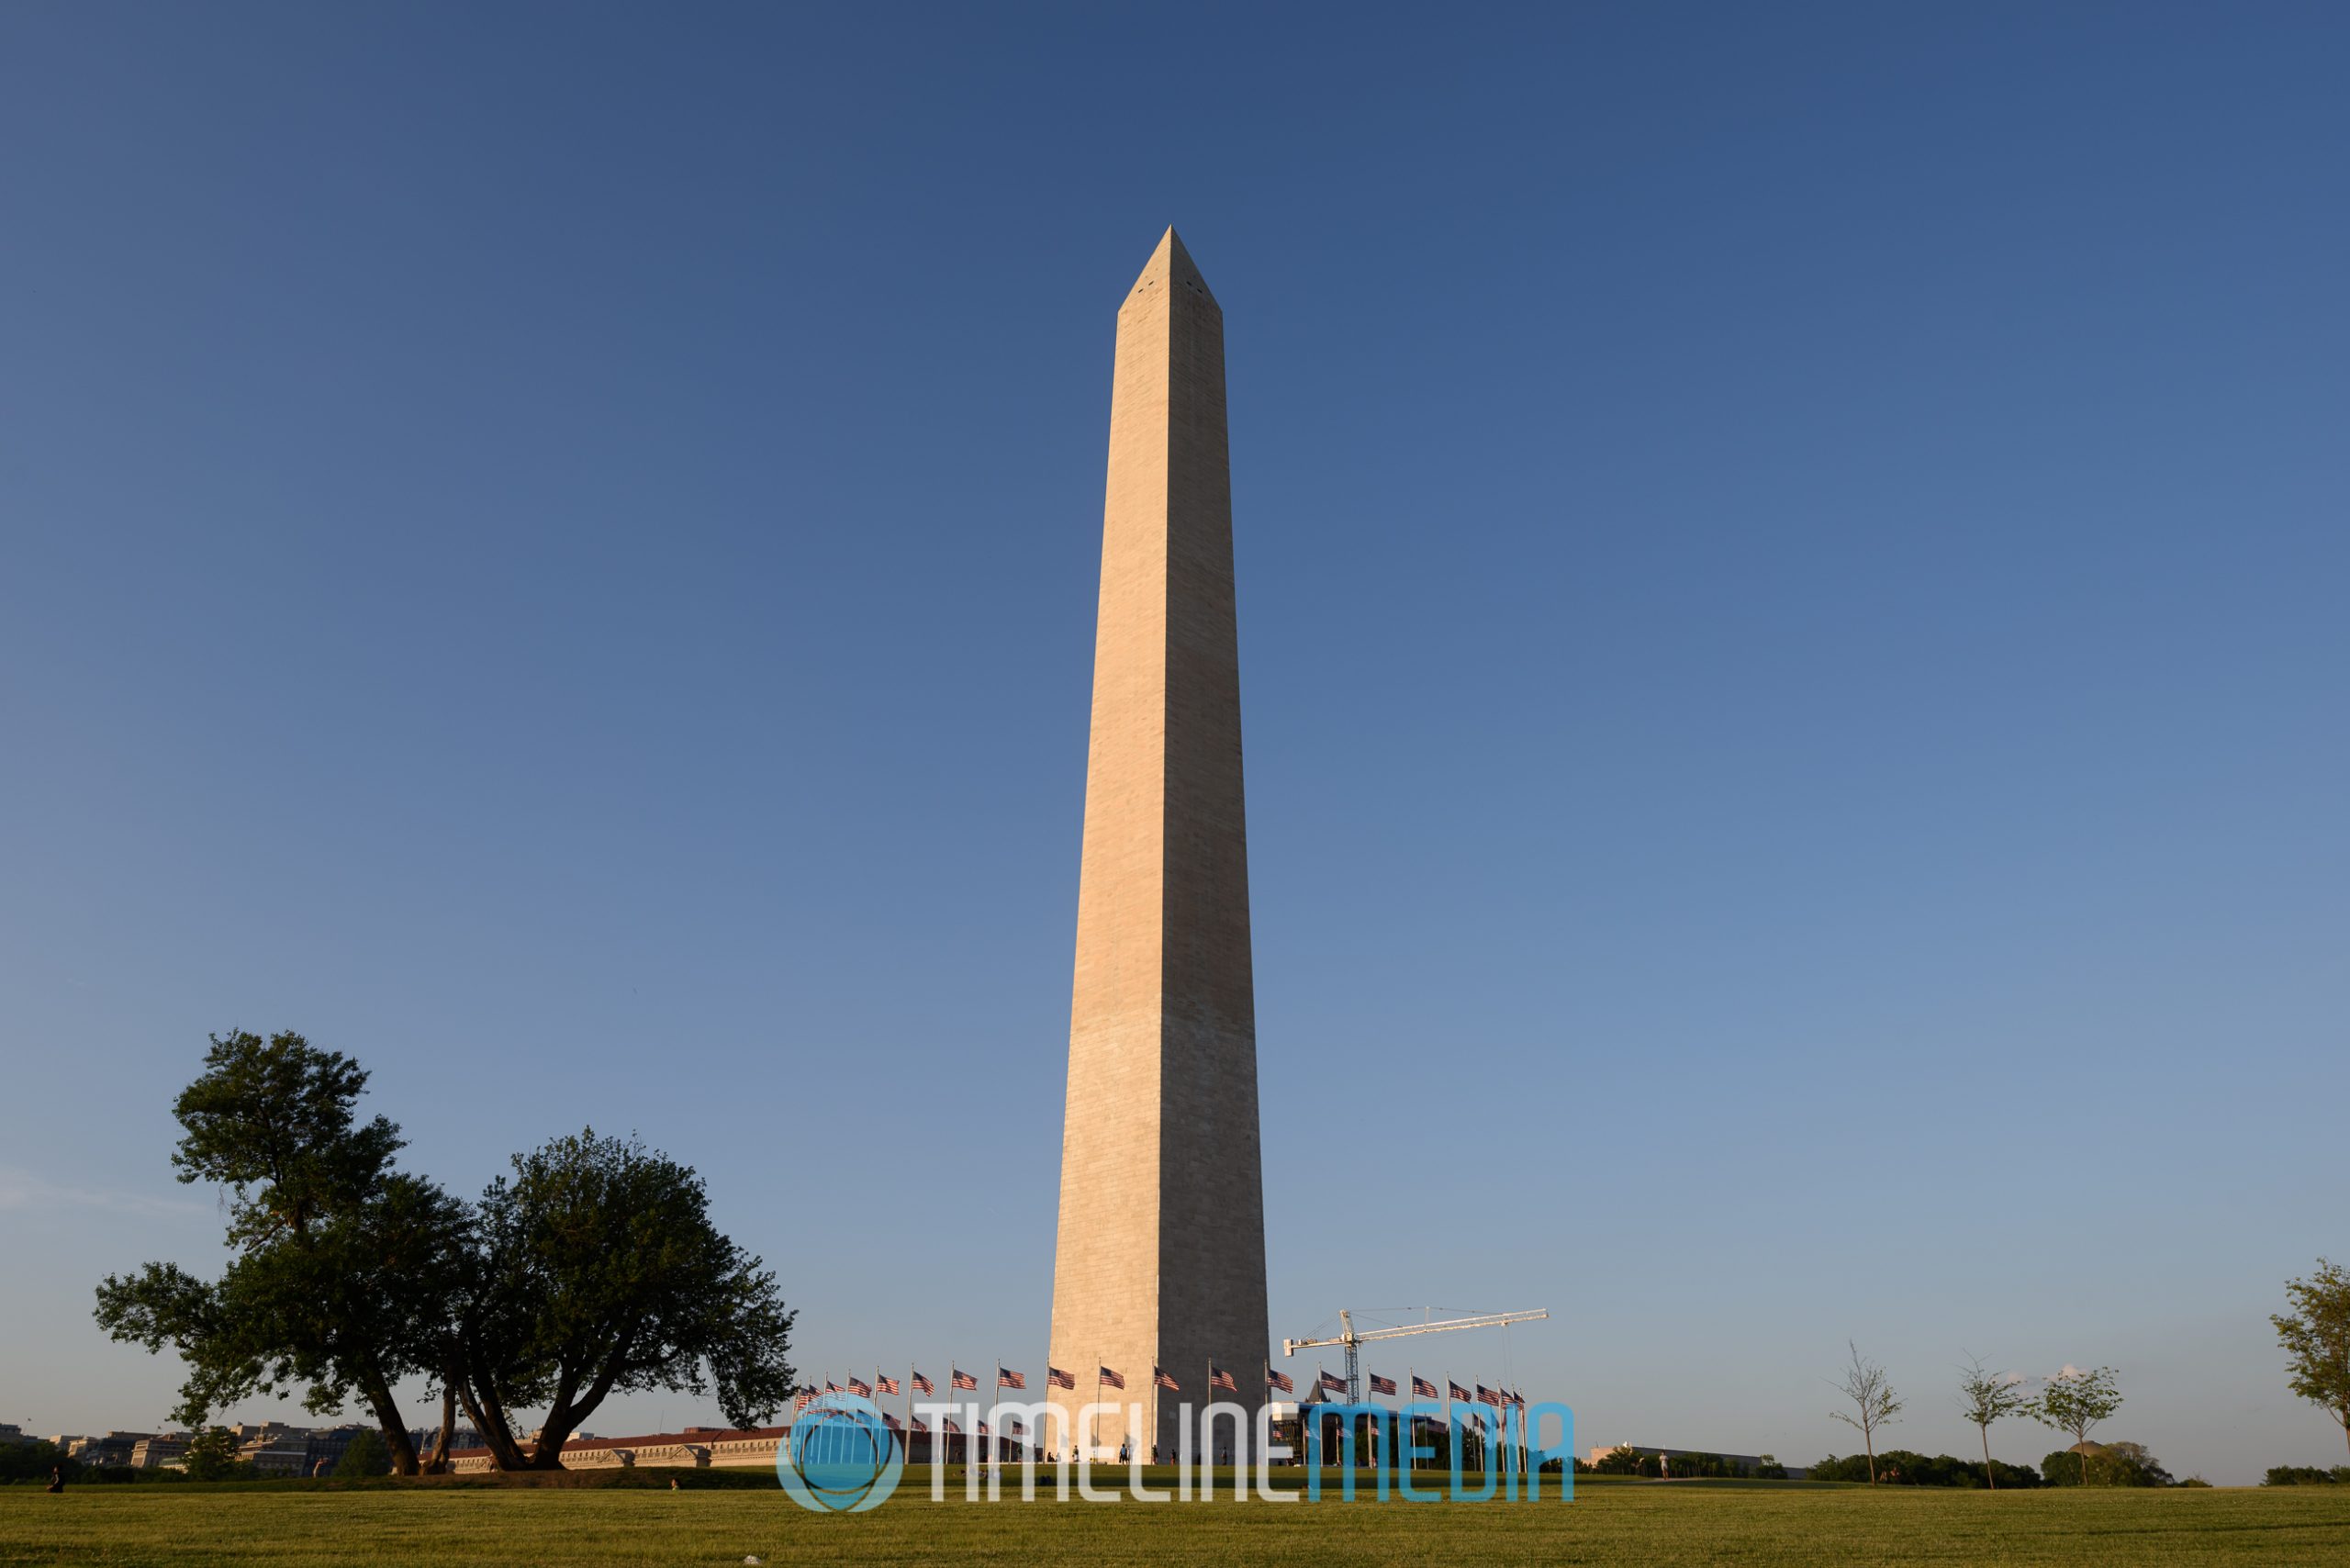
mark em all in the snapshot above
pixel 598 1273
pixel 2316 1339
pixel 339 1259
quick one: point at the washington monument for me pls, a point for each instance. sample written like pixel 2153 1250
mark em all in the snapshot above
pixel 1161 1254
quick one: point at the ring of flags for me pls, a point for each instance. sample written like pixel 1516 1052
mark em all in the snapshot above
pixel 1219 1380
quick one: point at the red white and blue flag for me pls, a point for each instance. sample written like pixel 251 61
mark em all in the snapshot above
pixel 1282 1380
pixel 886 1384
pixel 958 1377
pixel 1423 1389
pixel 921 1425
pixel 1006 1378
pixel 800 1400
pixel 1109 1377
pixel 891 1422
pixel 1382 1385
pixel 1487 1396
pixel 1165 1378
pixel 946 1424
pixel 861 1388
pixel 1219 1378
pixel 1331 1383
pixel 922 1384
pixel 1454 1390
pixel 1055 1378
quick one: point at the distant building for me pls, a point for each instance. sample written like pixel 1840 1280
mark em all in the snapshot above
pixel 722 1447
pixel 460 1437
pixel 9 1434
pixel 157 1452
pixel 323 1447
pixel 111 1451
pixel 278 1453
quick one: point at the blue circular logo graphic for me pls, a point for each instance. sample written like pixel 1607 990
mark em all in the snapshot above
pixel 840 1456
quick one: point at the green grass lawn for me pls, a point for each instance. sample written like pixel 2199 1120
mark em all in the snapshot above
pixel 1645 1523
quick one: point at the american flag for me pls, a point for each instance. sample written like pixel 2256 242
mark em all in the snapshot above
pixel 1282 1380
pixel 831 1387
pixel 946 1424
pixel 1382 1385
pixel 1332 1382
pixel 958 1377
pixel 1109 1377
pixel 886 1384
pixel 921 1425
pixel 891 1422
pixel 1164 1379
pixel 1423 1389
pixel 1487 1396
pixel 983 1428
pixel 922 1384
pixel 800 1400
pixel 1006 1378
pixel 1218 1378
pixel 861 1388
pixel 1055 1378
pixel 1454 1390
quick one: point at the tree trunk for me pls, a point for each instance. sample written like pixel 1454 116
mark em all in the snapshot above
pixel 1868 1441
pixel 1990 1476
pixel 2082 1437
pixel 555 1430
pixel 490 1419
pixel 437 1462
pixel 565 1415
pixel 387 1416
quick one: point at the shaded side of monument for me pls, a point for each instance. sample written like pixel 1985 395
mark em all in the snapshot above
pixel 1160 1258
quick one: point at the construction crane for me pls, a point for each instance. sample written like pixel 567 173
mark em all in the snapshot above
pixel 1353 1338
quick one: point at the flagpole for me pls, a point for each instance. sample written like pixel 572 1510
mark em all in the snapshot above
pixel 1454 1444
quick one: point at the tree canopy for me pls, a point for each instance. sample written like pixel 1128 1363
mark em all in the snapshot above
pixel 600 1272
pixel 1873 1402
pixel 2075 1401
pixel 1986 1398
pixel 2316 1339
pixel 331 1247
pixel 592 1269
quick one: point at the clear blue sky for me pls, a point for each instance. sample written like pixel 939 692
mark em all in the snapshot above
pixel 1792 569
